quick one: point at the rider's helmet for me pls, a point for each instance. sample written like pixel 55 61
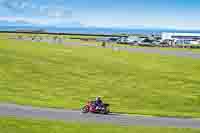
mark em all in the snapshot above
pixel 98 98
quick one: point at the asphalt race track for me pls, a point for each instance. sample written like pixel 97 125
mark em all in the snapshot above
pixel 178 53
pixel 12 110
pixel 165 52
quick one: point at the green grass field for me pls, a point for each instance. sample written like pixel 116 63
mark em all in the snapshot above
pixel 78 41
pixel 48 35
pixel 59 76
pixel 12 125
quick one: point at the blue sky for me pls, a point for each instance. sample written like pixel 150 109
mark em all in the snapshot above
pixel 181 14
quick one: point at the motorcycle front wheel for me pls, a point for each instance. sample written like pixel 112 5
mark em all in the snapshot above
pixel 105 111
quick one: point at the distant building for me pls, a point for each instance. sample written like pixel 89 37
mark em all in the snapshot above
pixel 108 39
pixel 131 39
pixel 182 38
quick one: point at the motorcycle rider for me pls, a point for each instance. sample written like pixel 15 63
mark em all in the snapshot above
pixel 98 103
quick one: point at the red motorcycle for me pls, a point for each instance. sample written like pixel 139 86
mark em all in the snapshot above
pixel 90 107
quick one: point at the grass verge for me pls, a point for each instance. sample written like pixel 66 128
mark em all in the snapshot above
pixel 12 125
pixel 58 76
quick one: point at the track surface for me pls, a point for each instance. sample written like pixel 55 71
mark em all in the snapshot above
pixel 179 53
pixel 164 52
pixel 69 115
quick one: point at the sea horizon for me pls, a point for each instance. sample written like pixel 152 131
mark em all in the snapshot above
pixel 94 30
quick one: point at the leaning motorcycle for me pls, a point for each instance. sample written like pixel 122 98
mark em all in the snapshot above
pixel 90 107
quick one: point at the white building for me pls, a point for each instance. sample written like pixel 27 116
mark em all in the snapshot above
pixel 182 38
pixel 131 39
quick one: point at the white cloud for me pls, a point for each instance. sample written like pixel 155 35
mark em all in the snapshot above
pixel 55 11
pixel 40 21
pixel 17 6
pixel 30 8
pixel 23 19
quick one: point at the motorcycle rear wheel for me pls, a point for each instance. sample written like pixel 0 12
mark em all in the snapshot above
pixel 85 109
